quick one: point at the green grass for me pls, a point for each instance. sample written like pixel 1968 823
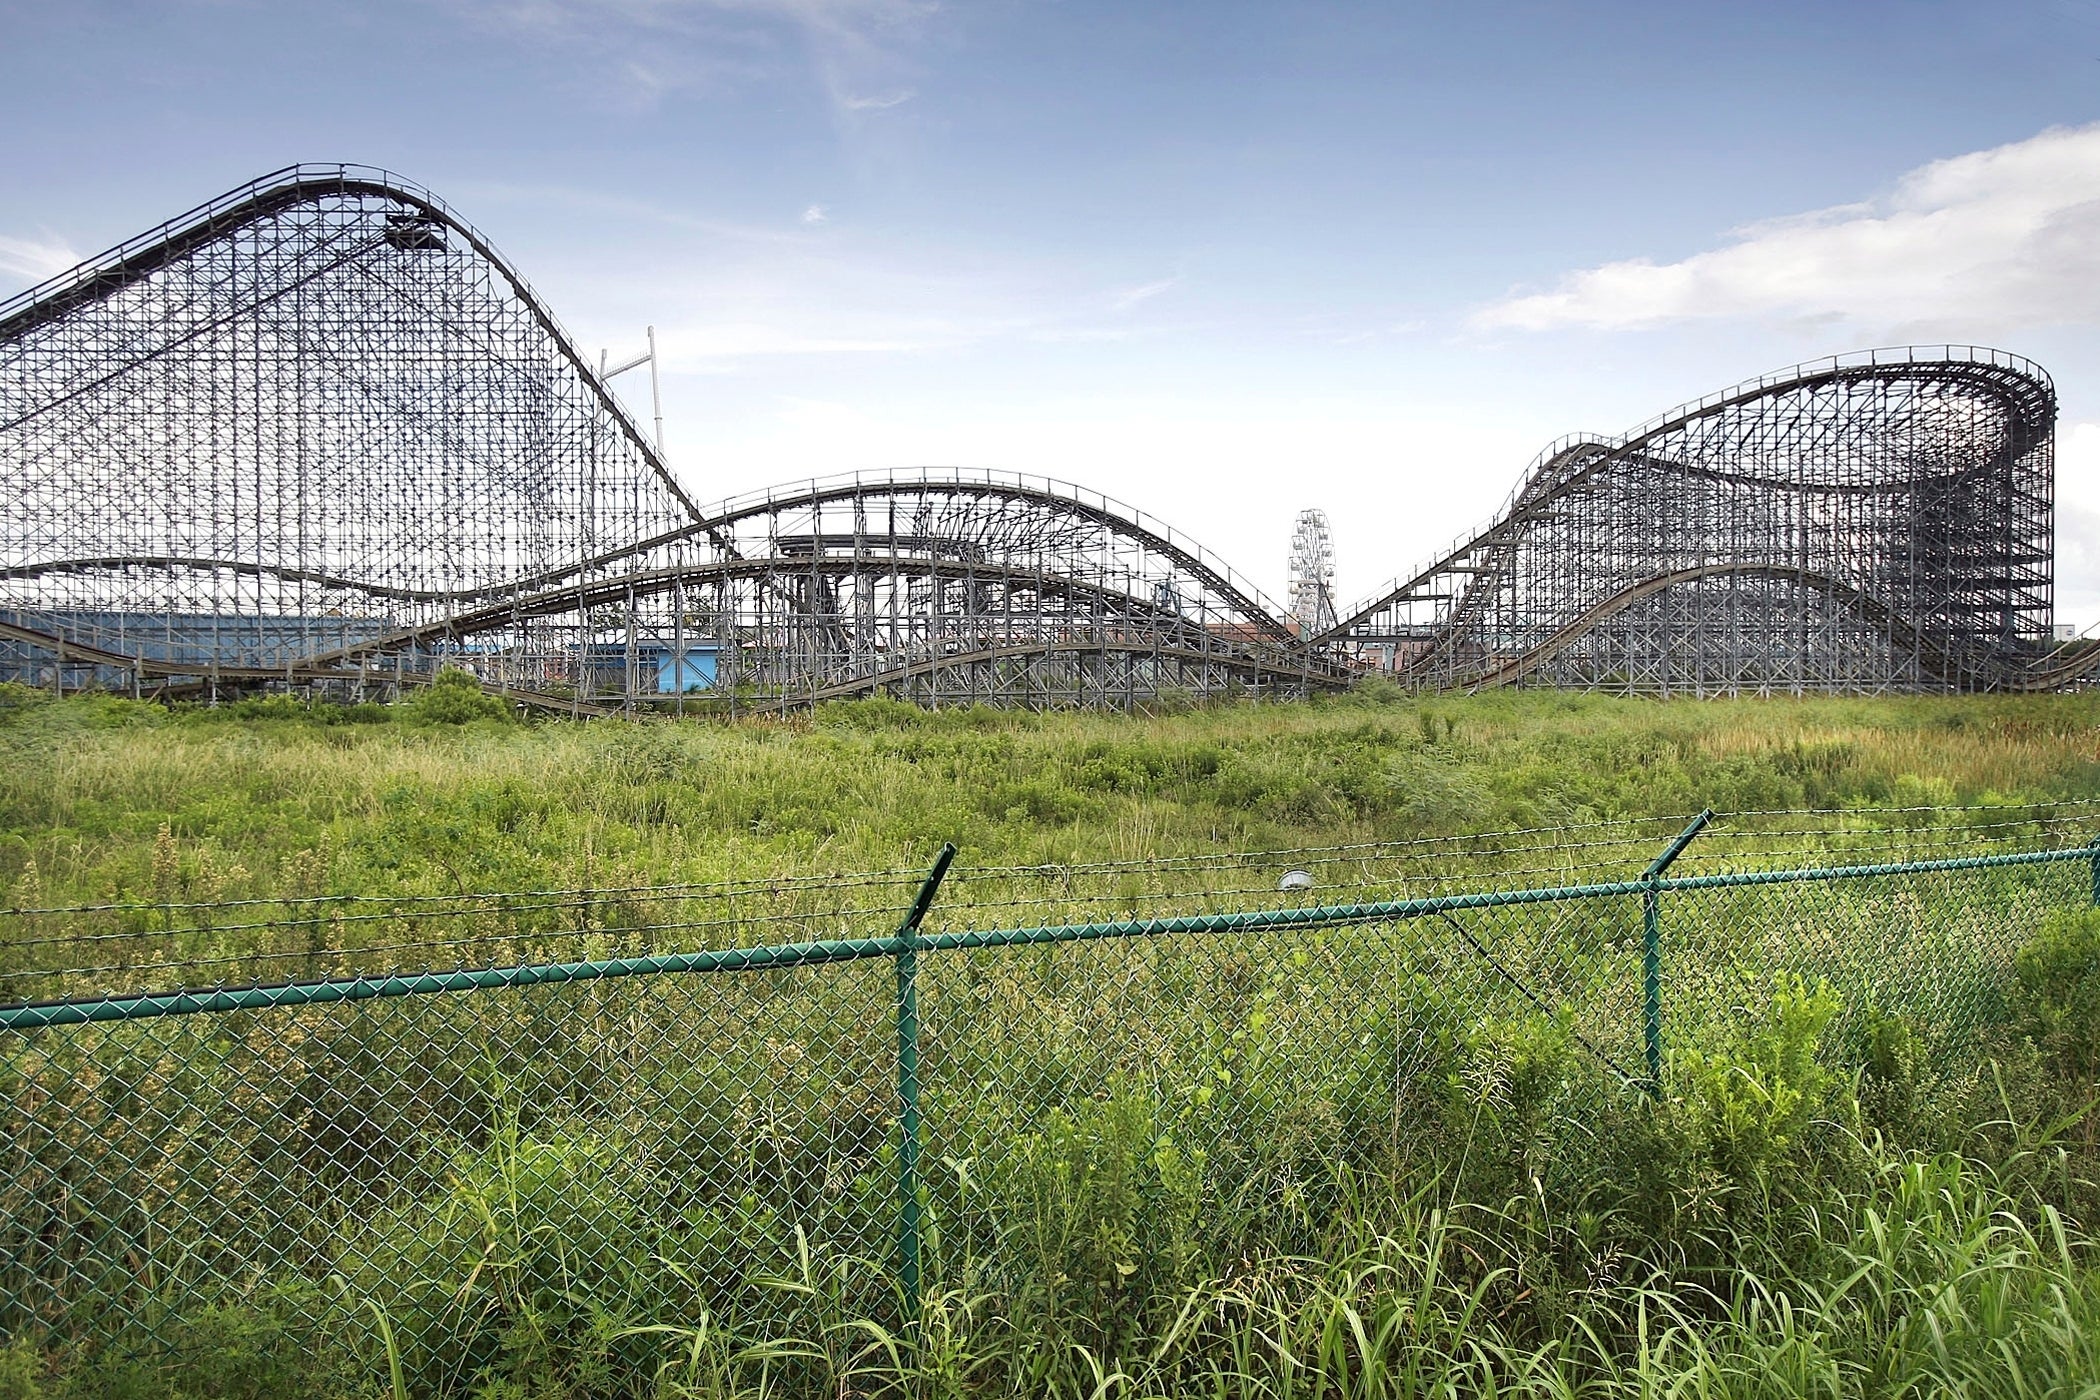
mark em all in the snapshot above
pixel 267 799
pixel 1348 1162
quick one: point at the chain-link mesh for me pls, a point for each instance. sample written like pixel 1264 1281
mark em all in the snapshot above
pixel 660 1099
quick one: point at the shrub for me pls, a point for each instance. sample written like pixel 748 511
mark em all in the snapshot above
pixel 260 1351
pixel 502 1265
pixel 1891 1056
pixel 1104 1203
pixel 456 697
pixel 2055 996
pixel 873 714
pixel 18 699
pixel 1750 1119
pixel 21 1364
pixel 1430 795
pixel 1377 690
pixel 1745 1101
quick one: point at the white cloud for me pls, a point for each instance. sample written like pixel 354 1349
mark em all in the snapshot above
pixel 712 344
pixel 2078 523
pixel 1145 292
pixel 858 47
pixel 725 298
pixel 858 50
pixel 1998 239
pixel 877 104
pixel 35 258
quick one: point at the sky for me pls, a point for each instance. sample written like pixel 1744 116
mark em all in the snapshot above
pixel 1222 260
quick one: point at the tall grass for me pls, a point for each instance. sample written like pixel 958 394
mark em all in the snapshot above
pixel 1333 1168
pixel 265 798
pixel 1513 1224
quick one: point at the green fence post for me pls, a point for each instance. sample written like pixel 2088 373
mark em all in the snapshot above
pixel 908 1080
pixel 2096 872
pixel 1651 950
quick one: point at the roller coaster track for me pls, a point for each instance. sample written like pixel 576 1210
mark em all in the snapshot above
pixel 871 684
pixel 1899 632
pixel 1061 497
pixel 1056 496
pixel 1574 463
pixel 422 458
pixel 619 588
pixel 1935 460
pixel 331 664
pixel 140 258
pixel 1548 479
pixel 2074 662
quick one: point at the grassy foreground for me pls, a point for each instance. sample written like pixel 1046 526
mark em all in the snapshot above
pixel 1805 1211
pixel 264 798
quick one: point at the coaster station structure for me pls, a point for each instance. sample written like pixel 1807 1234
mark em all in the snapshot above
pixel 318 433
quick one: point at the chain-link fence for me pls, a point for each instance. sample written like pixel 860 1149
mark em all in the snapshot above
pixel 661 1098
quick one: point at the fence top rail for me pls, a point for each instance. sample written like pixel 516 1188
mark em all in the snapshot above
pixel 112 1006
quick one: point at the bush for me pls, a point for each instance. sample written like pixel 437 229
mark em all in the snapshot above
pixel 21 1365
pixel 1751 1119
pixel 456 697
pixel 2055 996
pixel 501 1267
pixel 1745 1101
pixel 270 1351
pixel 1104 1205
pixel 871 715
pixel 18 699
pixel 1430 795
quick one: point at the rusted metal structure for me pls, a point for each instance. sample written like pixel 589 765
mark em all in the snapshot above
pixel 1881 521
pixel 317 433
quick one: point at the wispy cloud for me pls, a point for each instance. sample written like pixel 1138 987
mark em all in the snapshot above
pixel 816 214
pixel 35 258
pixel 878 104
pixel 858 50
pixel 715 345
pixel 1996 239
pixel 725 303
pixel 1124 300
pixel 722 304
pixel 2078 523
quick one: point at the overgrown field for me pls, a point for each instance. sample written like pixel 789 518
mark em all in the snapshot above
pixel 262 798
pixel 1398 1159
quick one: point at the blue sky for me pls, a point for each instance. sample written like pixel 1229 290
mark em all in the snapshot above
pixel 1220 260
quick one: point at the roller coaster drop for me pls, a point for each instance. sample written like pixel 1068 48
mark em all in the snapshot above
pixel 318 433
